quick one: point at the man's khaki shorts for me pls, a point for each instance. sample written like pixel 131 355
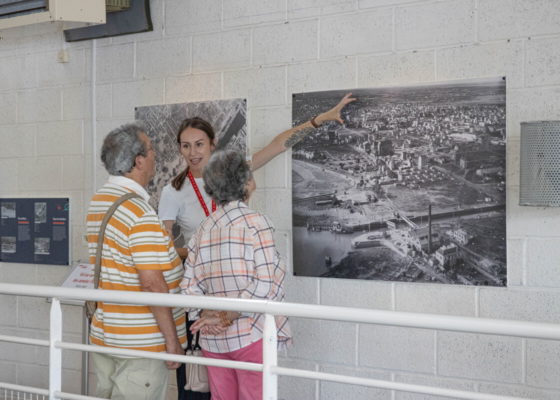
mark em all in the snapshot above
pixel 130 378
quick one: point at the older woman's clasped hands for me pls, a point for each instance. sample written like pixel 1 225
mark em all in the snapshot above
pixel 213 322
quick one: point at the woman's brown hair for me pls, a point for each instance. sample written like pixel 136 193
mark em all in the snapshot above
pixel 196 123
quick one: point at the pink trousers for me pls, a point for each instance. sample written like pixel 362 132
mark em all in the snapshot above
pixel 234 384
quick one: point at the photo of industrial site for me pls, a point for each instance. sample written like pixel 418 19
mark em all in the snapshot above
pixel 411 188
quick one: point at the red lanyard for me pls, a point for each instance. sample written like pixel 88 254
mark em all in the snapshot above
pixel 200 199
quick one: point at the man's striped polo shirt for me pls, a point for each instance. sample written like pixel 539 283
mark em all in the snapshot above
pixel 134 240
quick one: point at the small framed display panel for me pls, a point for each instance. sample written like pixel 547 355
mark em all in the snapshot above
pixel 34 230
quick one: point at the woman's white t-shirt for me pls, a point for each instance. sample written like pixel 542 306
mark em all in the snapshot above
pixel 183 207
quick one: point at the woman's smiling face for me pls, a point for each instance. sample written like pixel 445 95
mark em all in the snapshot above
pixel 196 148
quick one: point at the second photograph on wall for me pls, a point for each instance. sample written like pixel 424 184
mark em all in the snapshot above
pixel 411 188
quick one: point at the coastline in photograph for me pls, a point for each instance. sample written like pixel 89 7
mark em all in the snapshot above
pixel 227 117
pixel 411 188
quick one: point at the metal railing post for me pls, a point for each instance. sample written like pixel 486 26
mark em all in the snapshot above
pixel 270 358
pixel 55 355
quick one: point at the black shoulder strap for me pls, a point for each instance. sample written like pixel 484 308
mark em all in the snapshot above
pixel 101 234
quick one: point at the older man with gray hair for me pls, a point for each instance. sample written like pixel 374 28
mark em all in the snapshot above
pixel 137 255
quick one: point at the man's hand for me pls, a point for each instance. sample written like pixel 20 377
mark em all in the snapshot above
pixel 334 113
pixel 174 348
pixel 153 281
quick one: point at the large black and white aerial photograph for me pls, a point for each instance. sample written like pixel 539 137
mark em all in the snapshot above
pixel 411 188
pixel 227 117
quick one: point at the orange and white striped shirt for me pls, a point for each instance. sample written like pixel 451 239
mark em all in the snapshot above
pixel 134 240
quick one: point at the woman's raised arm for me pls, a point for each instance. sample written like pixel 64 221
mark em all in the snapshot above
pixel 290 137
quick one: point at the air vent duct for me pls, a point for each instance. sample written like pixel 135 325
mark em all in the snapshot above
pixel 27 12
pixel 117 5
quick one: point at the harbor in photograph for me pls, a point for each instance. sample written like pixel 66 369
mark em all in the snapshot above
pixel 411 188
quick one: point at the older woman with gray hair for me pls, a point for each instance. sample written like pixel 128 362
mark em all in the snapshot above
pixel 233 254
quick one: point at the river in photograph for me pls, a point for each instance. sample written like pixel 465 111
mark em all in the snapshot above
pixel 311 248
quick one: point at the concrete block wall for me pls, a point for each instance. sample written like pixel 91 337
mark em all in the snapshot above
pixel 44 139
pixel 265 51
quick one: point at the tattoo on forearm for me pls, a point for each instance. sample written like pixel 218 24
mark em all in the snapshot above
pixel 297 137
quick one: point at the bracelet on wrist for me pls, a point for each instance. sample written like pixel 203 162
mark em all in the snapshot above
pixel 224 319
pixel 314 122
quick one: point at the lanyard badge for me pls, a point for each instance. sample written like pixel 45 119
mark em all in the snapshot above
pixel 200 199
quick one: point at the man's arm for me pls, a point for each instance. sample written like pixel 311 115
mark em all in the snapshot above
pixel 153 281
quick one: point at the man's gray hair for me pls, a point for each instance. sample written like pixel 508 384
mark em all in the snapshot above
pixel 121 147
pixel 226 176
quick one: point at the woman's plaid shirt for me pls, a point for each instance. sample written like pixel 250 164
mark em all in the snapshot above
pixel 232 254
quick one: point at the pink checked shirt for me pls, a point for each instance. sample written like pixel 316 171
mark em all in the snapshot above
pixel 232 254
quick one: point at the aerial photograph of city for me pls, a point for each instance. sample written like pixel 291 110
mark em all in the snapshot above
pixel 227 117
pixel 411 188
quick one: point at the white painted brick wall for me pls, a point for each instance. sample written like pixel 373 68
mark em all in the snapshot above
pixel 543 363
pixel 39 105
pixel 40 174
pixel 273 175
pixel 266 123
pixel 284 43
pixel 60 73
pixel 127 95
pixel 324 341
pixel 260 86
pixel 250 12
pixel 195 87
pixel 76 102
pixel 163 58
pixel 265 51
pixel 520 304
pixel 17 140
pixel 494 358
pixel 218 51
pixel 433 24
pixel 430 380
pixel 519 391
pixel 22 71
pixel 543 62
pixel 313 8
pixel 396 69
pixel 348 293
pixel 503 58
pixel 436 299
pixel 8 107
pixel 293 388
pixel 115 62
pixel 324 75
pixel 507 19
pixel 352 34
pixel 51 135
pixel 184 17
pixel 335 391
pixel 390 347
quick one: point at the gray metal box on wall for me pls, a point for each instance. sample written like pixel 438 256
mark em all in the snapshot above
pixel 539 183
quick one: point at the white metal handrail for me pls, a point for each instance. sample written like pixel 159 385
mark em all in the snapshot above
pixel 269 367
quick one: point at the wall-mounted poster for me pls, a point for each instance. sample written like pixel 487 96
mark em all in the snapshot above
pixel 411 188
pixel 227 117
pixel 34 231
